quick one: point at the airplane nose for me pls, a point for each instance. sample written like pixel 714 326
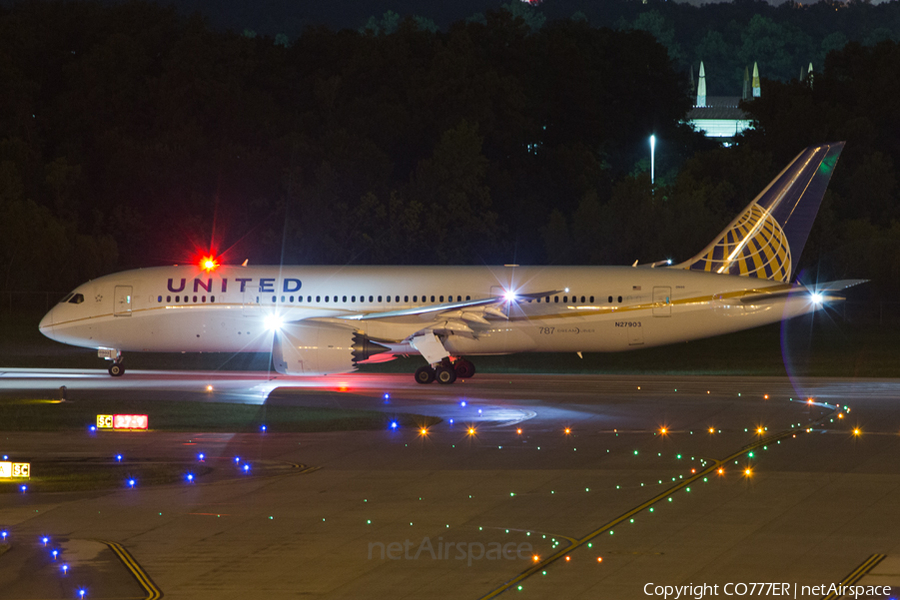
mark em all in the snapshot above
pixel 46 324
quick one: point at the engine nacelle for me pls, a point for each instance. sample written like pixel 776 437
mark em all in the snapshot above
pixel 320 349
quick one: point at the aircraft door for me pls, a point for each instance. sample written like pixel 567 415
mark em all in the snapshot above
pixel 122 302
pixel 662 301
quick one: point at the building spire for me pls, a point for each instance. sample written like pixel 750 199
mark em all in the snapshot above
pixel 745 94
pixel 809 75
pixel 701 86
pixel 756 90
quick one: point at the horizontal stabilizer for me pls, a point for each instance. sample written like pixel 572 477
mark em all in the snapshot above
pixel 821 290
pixel 837 286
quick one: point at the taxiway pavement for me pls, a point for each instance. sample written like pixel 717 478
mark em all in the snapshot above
pixel 568 487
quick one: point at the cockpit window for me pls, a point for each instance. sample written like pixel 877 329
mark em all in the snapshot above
pixel 76 299
pixel 66 299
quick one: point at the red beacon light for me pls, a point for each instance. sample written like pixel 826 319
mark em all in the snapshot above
pixel 209 263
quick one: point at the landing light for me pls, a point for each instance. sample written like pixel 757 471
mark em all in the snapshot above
pixel 273 322
pixel 509 295
pixel 816 298
pixel 472 431
pixel 423 431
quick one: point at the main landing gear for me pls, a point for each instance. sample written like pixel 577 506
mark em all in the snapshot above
pixel 116 369
pixel 445 372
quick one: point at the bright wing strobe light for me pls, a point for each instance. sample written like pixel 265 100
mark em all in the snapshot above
pixel 273 322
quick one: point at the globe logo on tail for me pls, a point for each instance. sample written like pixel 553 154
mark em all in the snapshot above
pixel 754 246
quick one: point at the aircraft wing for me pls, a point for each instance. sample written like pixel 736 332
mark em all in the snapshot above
pixel 438 310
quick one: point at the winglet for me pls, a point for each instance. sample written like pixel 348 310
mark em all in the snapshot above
pixel 766 239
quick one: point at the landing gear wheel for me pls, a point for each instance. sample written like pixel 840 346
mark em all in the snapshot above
pixel 116 369
pixel 424 375
pixel 464 369
pixel 445 375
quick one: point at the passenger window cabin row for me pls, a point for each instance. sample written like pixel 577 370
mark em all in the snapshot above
pixel 374 299
pixel 565 299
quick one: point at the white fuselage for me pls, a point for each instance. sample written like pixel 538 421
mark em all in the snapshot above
pixel 590 309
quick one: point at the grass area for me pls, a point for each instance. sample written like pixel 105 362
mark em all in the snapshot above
pixel 37 415
pixel 79 475
pixel 823 344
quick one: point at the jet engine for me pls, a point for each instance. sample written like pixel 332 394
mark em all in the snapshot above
pixel 320 349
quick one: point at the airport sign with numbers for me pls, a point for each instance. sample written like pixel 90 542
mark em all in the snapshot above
pixel 122 421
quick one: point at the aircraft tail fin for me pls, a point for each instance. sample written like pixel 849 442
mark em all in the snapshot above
pixel 768 236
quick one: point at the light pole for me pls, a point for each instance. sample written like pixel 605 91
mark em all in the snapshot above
pixel 652 160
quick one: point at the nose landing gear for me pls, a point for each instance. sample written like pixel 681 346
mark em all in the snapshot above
pixel 115 369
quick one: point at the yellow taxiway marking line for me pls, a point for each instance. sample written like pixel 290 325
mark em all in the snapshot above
pixel 543 564
pixel 857 574
pixel 153 592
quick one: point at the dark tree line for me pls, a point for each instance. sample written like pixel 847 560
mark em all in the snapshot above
pixel 141 130
pixel 782 36
pixel 131 135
